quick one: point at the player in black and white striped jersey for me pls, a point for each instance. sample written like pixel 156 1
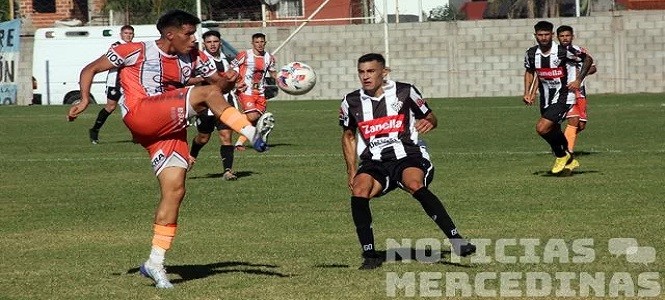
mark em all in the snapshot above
pixel 113 92
pixel 381 122
pixel 556 69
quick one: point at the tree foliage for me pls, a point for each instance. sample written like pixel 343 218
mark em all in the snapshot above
pixel 445 13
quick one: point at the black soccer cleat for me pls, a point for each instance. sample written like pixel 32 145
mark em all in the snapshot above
pixel 463 248
pixel 371 261
pixel 94 136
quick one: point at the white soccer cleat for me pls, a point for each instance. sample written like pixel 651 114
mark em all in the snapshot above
pixel 157 274
pixel 264 126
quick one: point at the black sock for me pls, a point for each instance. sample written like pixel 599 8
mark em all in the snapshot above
pixel 101 119
pixel 557 141
pixel 196 147
pixel 362 218
pixel 226 152
pixel 435 210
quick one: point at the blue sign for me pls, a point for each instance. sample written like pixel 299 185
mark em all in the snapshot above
pixel 9 57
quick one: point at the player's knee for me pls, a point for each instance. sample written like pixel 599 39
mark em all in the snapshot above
pixel 111 106
pixel 202 139
pixel 413 186
pixel 361 192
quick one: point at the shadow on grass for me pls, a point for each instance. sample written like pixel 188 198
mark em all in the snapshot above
pixel 564 173
pixel 240 174
pixel 192 272
pixel 427 256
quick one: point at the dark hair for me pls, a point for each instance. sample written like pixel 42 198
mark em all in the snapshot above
pixel 214 33
pixel 563 28
pixel 176 18
pixel 258 35
pixel 544 26
pixel 126 27
pixel 372 57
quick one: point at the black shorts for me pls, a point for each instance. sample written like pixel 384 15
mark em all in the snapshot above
pixel 555 112
pixel 113 93
pixel 389 173
pixel 206 123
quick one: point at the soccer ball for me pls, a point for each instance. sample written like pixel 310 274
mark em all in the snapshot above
pixel 296 78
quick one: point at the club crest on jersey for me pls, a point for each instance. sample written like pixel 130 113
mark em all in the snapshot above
pixel 385 125
pixel 397 105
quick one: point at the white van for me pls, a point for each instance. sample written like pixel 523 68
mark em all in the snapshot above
pixel 60 54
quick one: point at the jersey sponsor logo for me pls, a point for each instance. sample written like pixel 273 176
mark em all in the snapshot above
pixel 114 58
pixel 158 160
pixel 550 73
pixel 382 142
pixel 383 125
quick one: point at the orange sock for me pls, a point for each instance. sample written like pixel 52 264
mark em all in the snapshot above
pixel 571 136
pixel 163 235
pixel 238 122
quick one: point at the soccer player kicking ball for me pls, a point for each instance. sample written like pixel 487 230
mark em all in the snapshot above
pixel 387 117
pixel 156 107
pixel 556 69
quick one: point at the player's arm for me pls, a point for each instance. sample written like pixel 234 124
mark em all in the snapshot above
pixel 587 62
pixel 427 123
pixel 530 83
pixel 349 150
pixel 225 80
pixel 99 65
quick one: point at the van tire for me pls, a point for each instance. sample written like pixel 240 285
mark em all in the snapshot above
pixel 75 97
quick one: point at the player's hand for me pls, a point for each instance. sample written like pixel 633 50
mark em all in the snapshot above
pixel 76 110
pixel 528 99
pixel 350 180
pixel 424 126
pixel 230 75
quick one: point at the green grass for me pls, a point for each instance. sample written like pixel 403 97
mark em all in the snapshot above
pixel 75 218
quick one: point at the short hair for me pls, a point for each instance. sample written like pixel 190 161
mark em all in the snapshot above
pixel 372 57
pixel 563 28
pixel 123 28
pixel 543 26
pixel 214 33
pixel 258 35
pixel 176 18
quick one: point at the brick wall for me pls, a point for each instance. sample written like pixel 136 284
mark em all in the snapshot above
pixel 63 11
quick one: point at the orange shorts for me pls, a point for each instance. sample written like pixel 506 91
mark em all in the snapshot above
pixel 578 109
pixel 159 124
pixel 253 102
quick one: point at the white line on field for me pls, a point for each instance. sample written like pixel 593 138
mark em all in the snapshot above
pixel 317 155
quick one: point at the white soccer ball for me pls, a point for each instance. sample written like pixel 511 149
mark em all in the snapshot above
pixel 296 78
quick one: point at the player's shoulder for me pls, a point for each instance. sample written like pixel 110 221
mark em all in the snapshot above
pixel 353 96
pixel 532 50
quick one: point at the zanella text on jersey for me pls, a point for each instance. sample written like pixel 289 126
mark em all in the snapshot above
pixel 383 125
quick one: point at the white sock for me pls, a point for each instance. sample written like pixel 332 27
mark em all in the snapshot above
pixel 156 256
pixel 248 132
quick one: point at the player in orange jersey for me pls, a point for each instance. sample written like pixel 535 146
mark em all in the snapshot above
pixel 156 108
pixel 252 66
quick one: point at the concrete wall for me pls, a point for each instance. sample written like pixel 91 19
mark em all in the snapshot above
pixel 462 59
pixel 473 58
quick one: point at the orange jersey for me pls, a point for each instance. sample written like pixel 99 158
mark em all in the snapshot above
pixel 252 69
pixel 148 71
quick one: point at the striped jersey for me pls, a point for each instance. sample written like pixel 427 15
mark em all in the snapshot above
pixel 222 64
pixel 554 70
pixel 252 69
pixel 148 71
pixel 385 126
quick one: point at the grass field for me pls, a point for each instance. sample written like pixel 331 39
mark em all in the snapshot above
pixel 76 218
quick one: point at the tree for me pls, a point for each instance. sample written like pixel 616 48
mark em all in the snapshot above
pixel 445 13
